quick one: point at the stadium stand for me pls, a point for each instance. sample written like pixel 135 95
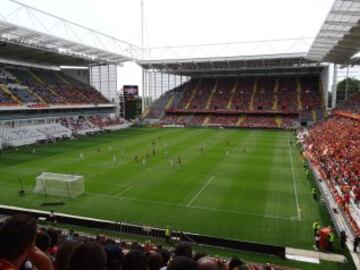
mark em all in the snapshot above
pixel 52 131
pixel 64 128
pixel 264 102
pixel 332 147
pixel 62 249
pixel 21 136
pixel 48 87
pixel 167 100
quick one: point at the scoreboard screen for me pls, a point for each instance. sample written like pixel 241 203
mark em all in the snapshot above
pixel 131 90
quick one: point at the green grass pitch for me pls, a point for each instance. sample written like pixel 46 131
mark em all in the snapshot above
pixel 258 192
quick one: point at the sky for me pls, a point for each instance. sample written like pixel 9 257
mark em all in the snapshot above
pixel 189 22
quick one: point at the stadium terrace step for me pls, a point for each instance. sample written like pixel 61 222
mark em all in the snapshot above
pixel 278 121
pixel 251 105
pixel 298 96
pixel 275 103
pixel 232 93
pixel 168 105
pixel 242 118
pixel 212 94
pixel 313 113
pixel 193 94
pixel 206 121
pixel 276 87
pixel 35 95
pixel 37 78
pixel 7 91
pixel 62 79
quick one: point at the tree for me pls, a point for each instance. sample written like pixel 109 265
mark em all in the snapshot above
pixel 353 87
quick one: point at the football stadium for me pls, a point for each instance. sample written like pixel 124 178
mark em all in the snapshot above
pixel 237 155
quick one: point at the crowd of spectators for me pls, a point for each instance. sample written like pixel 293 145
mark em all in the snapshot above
pixel 259 122
pixel 246 96
pixel 333 147
pixel 24 245
pixel 5 99
pixel 106 121
pixel 264 94
pixel 287 95
pixel 220 120
pixel 78 125
pixel 310 95
pixel 48 86
pixel 202 93
pixel 222 94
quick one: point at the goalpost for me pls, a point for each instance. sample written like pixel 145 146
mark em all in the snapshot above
pixel 67 185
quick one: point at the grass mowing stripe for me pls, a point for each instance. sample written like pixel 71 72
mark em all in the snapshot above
pixel 251 198
pixel 294 180
pixel 201 190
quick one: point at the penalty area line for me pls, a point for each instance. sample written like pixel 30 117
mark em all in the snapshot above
pixel 201 190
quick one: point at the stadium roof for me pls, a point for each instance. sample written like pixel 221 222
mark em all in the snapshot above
pixel 44 43
pixel 339 37
pixel 260 65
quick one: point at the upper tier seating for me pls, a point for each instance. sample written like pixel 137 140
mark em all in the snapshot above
pixel 278 101
pixel 5 99
pixel 310 95
pixel 202 93
pixel 45 87
pixel 222 95
pixel 243 93
pixel 22 93
pixel 189 89
pixel 286 94
pixel 264 95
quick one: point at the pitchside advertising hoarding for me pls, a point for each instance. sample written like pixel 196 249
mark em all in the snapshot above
pixel 130 91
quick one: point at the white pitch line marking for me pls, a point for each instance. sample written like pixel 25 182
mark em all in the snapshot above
pixel 124 191
pixel 201 190
pixel 294 180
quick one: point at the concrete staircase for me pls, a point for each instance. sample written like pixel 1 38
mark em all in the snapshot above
pixel 6 90
pixel 240 120
pixel 232 93
pixel 313 113
pixel 169 103
pixel 275 100
pixel 278 121
pixel 251 105
pixel 192 95
pixel 298 94
pixel 206 121
pixel 37 78
pixel 211 95
pixel 35 95
pixel 62 78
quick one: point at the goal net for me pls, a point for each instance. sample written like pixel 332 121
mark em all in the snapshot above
pixel 67 185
